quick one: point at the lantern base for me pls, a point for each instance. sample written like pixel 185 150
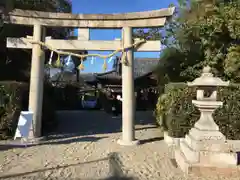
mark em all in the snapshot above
pixel 202 149
pixel 206 169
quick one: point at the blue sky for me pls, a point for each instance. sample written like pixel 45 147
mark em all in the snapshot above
pixel 114 6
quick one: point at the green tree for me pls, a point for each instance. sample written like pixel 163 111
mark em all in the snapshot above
pixel 202 33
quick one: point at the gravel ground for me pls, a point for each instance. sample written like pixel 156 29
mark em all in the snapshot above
pixel 94 154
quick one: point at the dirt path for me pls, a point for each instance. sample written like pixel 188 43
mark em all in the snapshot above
pixel 86 156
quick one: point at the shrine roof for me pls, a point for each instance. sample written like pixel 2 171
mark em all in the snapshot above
pixel 142 67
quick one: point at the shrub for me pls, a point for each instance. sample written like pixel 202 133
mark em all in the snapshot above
pixel 14 99
pixel 11 104
pixel 49 122
pixel 165 102
pixel 180 114
pixel 228 117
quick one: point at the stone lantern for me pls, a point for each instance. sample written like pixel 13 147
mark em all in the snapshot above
pixel 205 146
pixel 207 99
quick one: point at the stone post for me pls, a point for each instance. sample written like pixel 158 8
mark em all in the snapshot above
pixel 128 97
pixel 36 82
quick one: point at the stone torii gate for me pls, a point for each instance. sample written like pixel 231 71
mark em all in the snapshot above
pixel 126 22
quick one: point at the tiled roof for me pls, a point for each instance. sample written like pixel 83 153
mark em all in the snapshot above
pixel 88 77
pixel 109 75
pixel 142 66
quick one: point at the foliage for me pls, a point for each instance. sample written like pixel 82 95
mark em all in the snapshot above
pixel 201 33
pixel 228 116
pixel 10 107
pixel 165 102
pixel 232 63
pixel 46 5
pixel 181 114
pixel 14 99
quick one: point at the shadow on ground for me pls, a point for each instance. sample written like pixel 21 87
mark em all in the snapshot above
pixel 96 122
pixel 87 123
pixel 61 139
pixel 115 170
pixel 83 126
pixel 146 141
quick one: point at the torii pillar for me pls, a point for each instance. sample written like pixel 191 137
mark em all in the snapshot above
pixel 128 96
pixel 36 82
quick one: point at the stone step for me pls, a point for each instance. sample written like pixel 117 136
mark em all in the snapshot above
pixel 200 169
pixel 208 157
pixel 181 160
pixel 192 156
pixel 218 159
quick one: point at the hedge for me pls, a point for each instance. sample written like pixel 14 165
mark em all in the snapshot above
pixel 165 101
pixel 14 99
pixel 176 114
pixel 11 104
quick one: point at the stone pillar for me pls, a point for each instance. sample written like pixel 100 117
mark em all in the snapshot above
pixel 36 82
pixel 128 97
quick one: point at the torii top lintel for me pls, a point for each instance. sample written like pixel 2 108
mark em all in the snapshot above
pixel 155 18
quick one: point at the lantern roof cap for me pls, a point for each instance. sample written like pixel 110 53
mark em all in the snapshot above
pixel 208 80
